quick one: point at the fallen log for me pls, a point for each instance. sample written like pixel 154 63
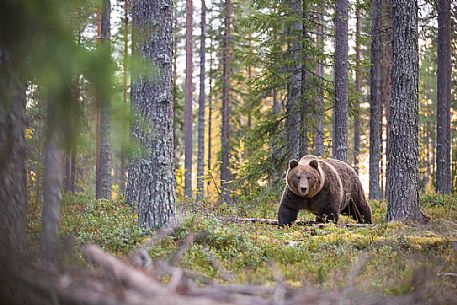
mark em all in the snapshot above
pixel 274 222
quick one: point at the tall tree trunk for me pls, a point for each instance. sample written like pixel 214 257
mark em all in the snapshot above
pixel 13 178
pixel 52 184
pixel 340 128
pixel 105 109
pixel 375 101
pixel 153 175
pixel 402 166
pixel 98 115
pixel 294 83
pixel 357 90
pixel 225 132
pixel 201 107
pixel 188 104
pixel 304 105
pixel 210 107
pixel 125 91
pixel 386 83
pixel 443 118
pixel 319 134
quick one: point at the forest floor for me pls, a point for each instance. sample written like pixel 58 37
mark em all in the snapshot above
pixel 381 260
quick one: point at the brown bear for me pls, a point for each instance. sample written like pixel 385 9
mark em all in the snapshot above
pixel 326 188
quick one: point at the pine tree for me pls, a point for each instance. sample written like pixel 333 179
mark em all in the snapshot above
pixel 402 166
pixel 340 128
pixel 201 107
pixel 153 182
pixel 443 119
pixel 188 104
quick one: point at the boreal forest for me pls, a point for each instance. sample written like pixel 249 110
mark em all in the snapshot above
pixel 228 152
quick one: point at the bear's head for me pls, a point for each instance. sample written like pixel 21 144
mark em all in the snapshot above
pixel 304 179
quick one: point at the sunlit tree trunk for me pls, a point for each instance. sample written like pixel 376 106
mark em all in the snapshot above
pixel 153 174
pixel 210 107
pixel 340 128
pixel 402 166
pixel 443 118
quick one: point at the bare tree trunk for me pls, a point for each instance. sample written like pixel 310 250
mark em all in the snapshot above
pixel 340 128
pixel 98 116
pixel 210 106
pixel 319 134
pixel 201 107
pixel 122 181
pixel 188 104
pixel 402 166
pixel 105 109
pixel 154 182
pixel 443 118
pixel 375 101
pixel 294 83
pixel 386 84
pixel 358 91
pixel 13 178
pixel 225 132
pixel 52 184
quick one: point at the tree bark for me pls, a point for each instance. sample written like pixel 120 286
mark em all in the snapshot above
pixel 357 90
pixel 210 106
pixel 105 185
pixel 294 83
pixel 13 178
pixel 340 128
pixel 201 107
pixel 225 132
pixel 122 180
pixel 153 175
pixel 52 184
pixel 402 166
pixel 319 134
pixel 443 118
pixel 188 104
pixel 375 101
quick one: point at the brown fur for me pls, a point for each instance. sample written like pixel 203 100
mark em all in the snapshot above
pixel 324 187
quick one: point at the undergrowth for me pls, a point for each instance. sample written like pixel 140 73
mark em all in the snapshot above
pixel 386 257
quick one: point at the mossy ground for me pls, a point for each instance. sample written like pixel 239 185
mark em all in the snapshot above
pixel 383 258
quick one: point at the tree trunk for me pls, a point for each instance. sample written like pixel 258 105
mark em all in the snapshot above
pixel 402 166
pixel 154 174
pixel 375 101
pixel 357 90
pixel 13 178
pixel 210 107
pixel 225 132
pixel 201 107
pixel 340 128
pixel 443 118
pixel 319 135
pixel 52 185
pixel 105 109
pixel 188 104
pixel 122 179
pixel 98 115
pixel 294 83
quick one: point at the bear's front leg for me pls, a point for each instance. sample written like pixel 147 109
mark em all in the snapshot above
pixel 286 215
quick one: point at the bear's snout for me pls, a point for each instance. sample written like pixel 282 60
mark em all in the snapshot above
pixel 303 190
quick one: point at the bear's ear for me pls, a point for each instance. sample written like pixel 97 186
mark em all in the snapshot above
pixel 293 163
pixel 314 164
